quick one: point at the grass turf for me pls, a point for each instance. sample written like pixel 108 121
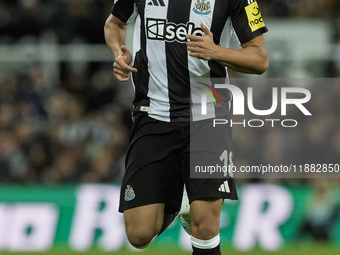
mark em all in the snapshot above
pixel 312 249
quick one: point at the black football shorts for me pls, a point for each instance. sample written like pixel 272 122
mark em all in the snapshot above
pixel 158 164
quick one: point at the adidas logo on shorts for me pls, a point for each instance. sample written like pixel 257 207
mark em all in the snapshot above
pixel 224 187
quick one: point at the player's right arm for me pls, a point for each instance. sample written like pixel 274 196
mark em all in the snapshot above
pixel 115 35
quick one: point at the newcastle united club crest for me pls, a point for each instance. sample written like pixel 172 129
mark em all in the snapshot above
pixel 202 7
pixel 129 193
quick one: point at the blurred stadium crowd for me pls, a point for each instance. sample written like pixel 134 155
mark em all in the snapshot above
pixel 82 20
pixel 76 128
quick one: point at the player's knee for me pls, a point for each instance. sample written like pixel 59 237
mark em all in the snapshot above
pixel 138 242
pixel 203 232
pixel 140 238
pixel 204 229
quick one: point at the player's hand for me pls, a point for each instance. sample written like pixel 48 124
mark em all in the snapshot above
pixel 121 68
pixel 202 47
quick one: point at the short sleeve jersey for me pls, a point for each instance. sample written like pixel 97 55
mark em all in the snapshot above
pixel 166 73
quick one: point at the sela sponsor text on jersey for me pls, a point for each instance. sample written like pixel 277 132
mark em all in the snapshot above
pixel 161 29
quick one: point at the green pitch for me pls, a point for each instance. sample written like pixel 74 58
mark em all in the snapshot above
pixel 312 249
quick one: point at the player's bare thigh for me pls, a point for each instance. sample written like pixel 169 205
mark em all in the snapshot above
pixel 143 223
pixel 205 218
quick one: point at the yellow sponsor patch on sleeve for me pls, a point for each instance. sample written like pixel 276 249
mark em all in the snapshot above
pixel 255 20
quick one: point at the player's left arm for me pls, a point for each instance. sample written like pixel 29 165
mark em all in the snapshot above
pixel 252 58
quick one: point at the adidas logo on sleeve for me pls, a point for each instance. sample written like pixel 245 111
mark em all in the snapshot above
pixel 156 3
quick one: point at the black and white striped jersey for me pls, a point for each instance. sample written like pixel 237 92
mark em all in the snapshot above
pixel 166 73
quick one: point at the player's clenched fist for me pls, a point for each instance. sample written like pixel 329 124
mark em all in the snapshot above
pixel 121 68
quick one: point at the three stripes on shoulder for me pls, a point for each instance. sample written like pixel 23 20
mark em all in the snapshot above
pixel 156 3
